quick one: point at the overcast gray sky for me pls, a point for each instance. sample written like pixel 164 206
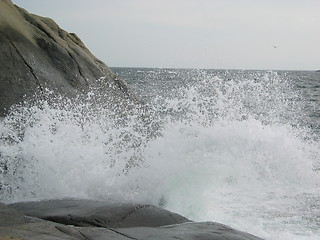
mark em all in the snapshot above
pixel 229 34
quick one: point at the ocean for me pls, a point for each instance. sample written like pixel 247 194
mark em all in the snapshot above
pixel 239 147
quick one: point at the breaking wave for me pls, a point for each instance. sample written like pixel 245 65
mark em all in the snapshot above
pixel 233 150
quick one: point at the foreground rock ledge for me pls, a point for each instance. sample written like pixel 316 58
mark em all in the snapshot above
pixel 95 220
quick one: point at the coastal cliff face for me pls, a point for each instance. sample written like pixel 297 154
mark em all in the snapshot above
pixel 35 54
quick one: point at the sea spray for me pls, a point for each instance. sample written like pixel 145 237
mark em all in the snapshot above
pixel 55 147
pixel 225 146
pixel 237 148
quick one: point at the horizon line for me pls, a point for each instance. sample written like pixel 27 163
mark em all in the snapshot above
pixel 205 68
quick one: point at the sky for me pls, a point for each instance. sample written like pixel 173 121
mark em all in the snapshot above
pixel 215 34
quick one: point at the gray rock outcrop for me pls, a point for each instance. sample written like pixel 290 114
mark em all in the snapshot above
pixel 94 220
pixel 85 213
pixel 35 53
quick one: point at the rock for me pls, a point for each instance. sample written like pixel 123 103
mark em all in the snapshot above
pixel 192 231
pixel 9 216
pixel 35 54
pixel 35 231
pixel 45 230
pixel 95 220
pixel 86 213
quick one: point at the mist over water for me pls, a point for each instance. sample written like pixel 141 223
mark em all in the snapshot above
pixel 228 146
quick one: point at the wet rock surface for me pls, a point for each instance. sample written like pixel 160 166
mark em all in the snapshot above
pixel 86 219
pixel 86 213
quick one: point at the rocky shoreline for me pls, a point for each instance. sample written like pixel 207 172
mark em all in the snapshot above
pixel 96 220
pixel 35 55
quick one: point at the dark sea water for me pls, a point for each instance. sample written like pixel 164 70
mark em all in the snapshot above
pixel 237 147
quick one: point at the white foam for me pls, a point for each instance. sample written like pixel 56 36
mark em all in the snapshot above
pixel 228 151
